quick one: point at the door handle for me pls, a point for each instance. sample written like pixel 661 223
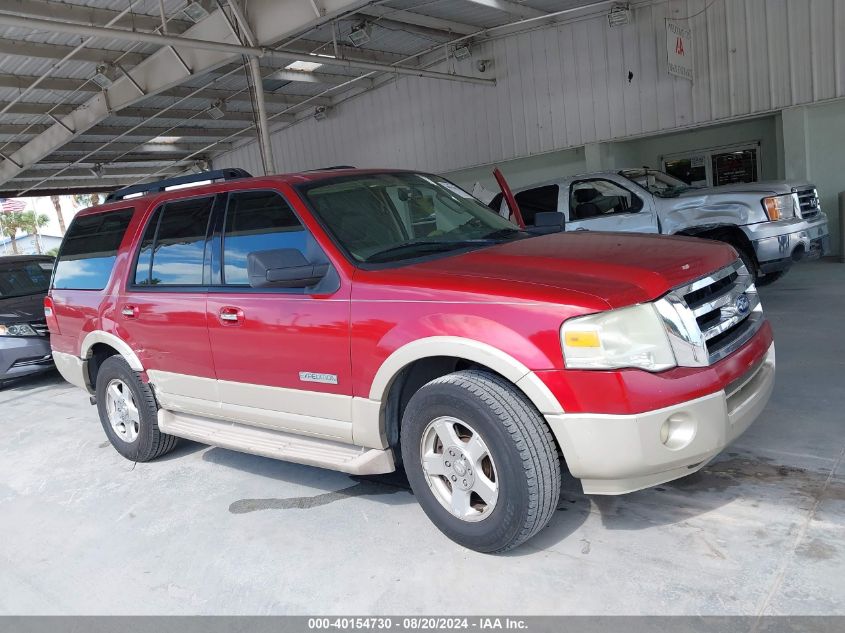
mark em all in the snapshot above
pixel 230 315
pixel 129 311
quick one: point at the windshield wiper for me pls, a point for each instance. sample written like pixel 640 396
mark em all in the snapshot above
pixel 425 246
pixel 502 233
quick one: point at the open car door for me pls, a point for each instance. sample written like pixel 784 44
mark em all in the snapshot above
pixel 509 197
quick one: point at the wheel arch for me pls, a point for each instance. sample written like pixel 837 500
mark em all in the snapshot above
pixel 96 347
pixel 420 361
pixel 99 337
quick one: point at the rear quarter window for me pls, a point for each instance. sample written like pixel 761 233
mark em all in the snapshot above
pixel 87 254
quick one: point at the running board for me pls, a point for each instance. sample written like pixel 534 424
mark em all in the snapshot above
pixel 346 458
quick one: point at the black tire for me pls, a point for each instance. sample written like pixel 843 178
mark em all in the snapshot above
pixel 520 444
pixel 770 278
pixel 748 259
pixel 150 442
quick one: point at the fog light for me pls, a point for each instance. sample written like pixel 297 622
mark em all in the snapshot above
pixel 677 431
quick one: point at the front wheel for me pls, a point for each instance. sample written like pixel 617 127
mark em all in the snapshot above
pixel 480 460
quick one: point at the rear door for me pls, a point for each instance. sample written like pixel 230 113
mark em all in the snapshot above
pixel 162 313
pixel 281 354
pixel 603 204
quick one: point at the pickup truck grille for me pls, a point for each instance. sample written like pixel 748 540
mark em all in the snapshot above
pixel 808 202
pixel 40 328
pixel 712 317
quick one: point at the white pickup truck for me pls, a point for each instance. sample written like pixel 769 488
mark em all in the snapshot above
pixel 771 224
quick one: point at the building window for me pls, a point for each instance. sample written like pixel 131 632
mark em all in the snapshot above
pixel 715 167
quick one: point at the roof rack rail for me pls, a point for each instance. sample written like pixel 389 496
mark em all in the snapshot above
pixel 231 173
pixel 333 167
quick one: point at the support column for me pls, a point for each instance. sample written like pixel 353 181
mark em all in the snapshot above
pixel 263 128
pixel 796 151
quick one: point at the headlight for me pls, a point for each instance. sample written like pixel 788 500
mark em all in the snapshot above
pixel 628 337
pixel 18 329
pixel 780 207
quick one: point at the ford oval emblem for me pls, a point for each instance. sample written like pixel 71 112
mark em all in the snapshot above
pixel 743 304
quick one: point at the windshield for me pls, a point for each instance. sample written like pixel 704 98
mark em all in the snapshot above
pixel 24 278
pixel 656 182
pixel 381 218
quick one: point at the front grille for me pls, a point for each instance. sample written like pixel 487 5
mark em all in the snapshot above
pixel 808 202
pixel 33 361
pixel 712 317
pixel 40 328
pixel 722 304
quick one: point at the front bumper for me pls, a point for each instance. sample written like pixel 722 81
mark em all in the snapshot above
pixel 24 356
pixel 779 244
pixel 616 454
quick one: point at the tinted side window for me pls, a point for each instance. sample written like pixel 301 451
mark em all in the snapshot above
pixel 258 221
pixel 599 198
pixel 537 200
pixel 89 249
pixel 175 239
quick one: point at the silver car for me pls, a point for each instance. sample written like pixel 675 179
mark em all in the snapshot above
pixel 771 224
pixel 24 339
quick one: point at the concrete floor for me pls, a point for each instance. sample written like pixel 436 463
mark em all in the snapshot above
pixel 210 531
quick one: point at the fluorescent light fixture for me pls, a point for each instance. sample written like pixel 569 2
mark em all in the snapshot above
pixel 166 139
pixel 321 113
pixel 216 110
pixel 360 35
pixel 461 52
pixel 302 65
pixel 195 11
pixel 620 15
pixel 101 77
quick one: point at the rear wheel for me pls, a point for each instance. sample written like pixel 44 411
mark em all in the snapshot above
pixel 481 460
pixel 128 412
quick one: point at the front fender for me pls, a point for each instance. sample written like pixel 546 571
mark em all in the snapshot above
pixel 679 214
pixel 488 343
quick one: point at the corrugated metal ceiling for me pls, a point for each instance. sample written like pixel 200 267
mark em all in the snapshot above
pixel 28 53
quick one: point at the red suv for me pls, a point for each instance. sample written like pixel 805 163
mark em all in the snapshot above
pixel 365 320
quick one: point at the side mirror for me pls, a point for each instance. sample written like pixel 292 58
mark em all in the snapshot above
pixel 283 268
pixel 548 222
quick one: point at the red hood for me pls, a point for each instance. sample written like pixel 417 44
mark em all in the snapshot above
pixel 591 270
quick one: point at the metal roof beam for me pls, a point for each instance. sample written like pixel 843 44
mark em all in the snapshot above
pixel 199 114
pixel 313 77
pixel 57 51
pixel 83 85
pixel 88 15
pixel 409 18
pixel 123 173
pixel 514 8
pixel 135 148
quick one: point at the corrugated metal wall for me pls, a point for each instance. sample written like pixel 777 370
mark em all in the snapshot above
pixel 567 85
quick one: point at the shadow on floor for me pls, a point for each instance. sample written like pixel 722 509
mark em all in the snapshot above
pixel 391 488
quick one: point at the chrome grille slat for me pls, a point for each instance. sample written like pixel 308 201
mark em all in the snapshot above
pixel 808 202
pixel 735 290
pixel 706 319
pixel 729 320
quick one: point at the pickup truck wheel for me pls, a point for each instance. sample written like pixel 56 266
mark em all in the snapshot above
pixel 480 460
pixel 128 412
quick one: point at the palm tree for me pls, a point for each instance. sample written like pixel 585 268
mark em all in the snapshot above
pixel 10 225
pixel 33 221
pixel 57 205
pixel 86 199
pixel 26 221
